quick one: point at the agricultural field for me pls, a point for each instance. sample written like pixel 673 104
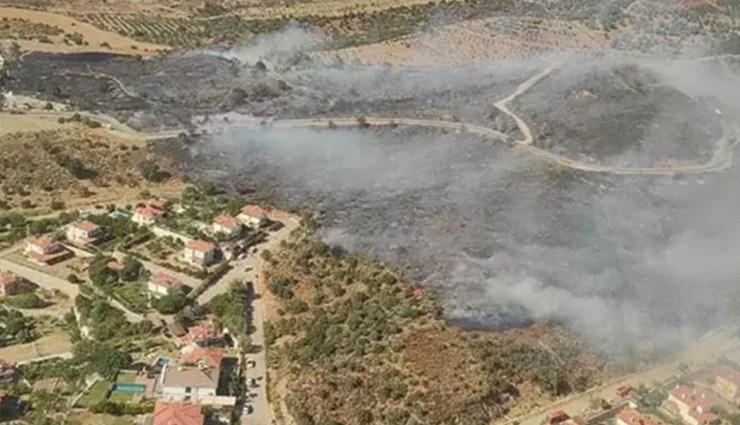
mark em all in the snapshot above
pixel 50 32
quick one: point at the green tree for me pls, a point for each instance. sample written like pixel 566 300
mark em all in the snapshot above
pixel 132 269
pixel 171 303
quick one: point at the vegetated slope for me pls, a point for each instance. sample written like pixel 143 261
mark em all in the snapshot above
pixel 620 114
pixel 74 166
pixel 352 344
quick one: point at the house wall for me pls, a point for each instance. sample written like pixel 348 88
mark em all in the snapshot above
pixel 249 220
pixel 141 220
pixel 157 290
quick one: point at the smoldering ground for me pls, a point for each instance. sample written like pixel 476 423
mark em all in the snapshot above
pixel 502 237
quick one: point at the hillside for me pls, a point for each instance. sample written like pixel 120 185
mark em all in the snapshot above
pixel 74 166
pixel 351 343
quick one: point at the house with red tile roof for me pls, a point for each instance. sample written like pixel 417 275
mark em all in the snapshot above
pixel 84 233
pixel 8 371
pixel 202 357
pixel 9 283
pixel 727 383
pixel 690 404
pixel 203 333
pixel 252 215
pixel 199 253
pixel 44 250
pixel 177 414
pixel 633 417
pixel 146 215
pixel 227 225
pixel 161 284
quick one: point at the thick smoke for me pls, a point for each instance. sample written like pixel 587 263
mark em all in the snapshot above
pixel 504 237
pixel 276 48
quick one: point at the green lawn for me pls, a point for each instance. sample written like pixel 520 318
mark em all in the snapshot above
pixel 134 295
pixel 126 378
pixel 95 394
pixel 121 397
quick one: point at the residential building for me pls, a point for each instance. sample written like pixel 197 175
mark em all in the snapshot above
pixel 161 284
pixel 156 203
pixel 44 250
pixel 8 371
pixel 9 283
pixel 205 358
pixel 200 253
pixel 115 265
pixel 84 233
pixel 253 215
pixel 633 417
pixel 690 404
pixel 203 333
pixel 146 215
pixel 176 414
pixel 227 226
pixel 188 383
pixel 727 383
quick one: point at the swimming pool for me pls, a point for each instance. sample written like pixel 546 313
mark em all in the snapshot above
pixel 129 388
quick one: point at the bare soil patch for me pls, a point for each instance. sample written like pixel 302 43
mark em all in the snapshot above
pixel 51 344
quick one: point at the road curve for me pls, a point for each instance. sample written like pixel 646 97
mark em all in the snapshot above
pixel 721 159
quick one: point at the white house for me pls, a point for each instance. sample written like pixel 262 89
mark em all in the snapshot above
pixel 253 215
pixel 162 284
pixel 227 226
pixel 195 378
pixel 44 250
pixel 199 253
pixel 84 233
pixel 146 215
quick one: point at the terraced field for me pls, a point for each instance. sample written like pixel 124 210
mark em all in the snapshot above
pixel 181 32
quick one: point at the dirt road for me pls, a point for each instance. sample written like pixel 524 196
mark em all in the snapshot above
pixel 722 157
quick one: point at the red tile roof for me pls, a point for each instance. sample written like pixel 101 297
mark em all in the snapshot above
pixel 115 266
pixel 208 357
pixel 729 374
pixel 87 226
pixel 254 211
pixel 158 204
pixel 691 396
pixel 202 246
pixel 7 278
pixel 202 332
pixel 148 212
pixel 164 279
pixel 176 414
pixel 227 221
pixel 43 242
pixel 633 417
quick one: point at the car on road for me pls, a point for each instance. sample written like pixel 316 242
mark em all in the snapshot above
pixel 252 382
pixel 248 409
pixel 251 363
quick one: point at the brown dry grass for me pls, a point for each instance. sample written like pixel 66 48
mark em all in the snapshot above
pixel 55 343
pixel 97 40
pixel 31 172
pixel 255 9
pixel 478 41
